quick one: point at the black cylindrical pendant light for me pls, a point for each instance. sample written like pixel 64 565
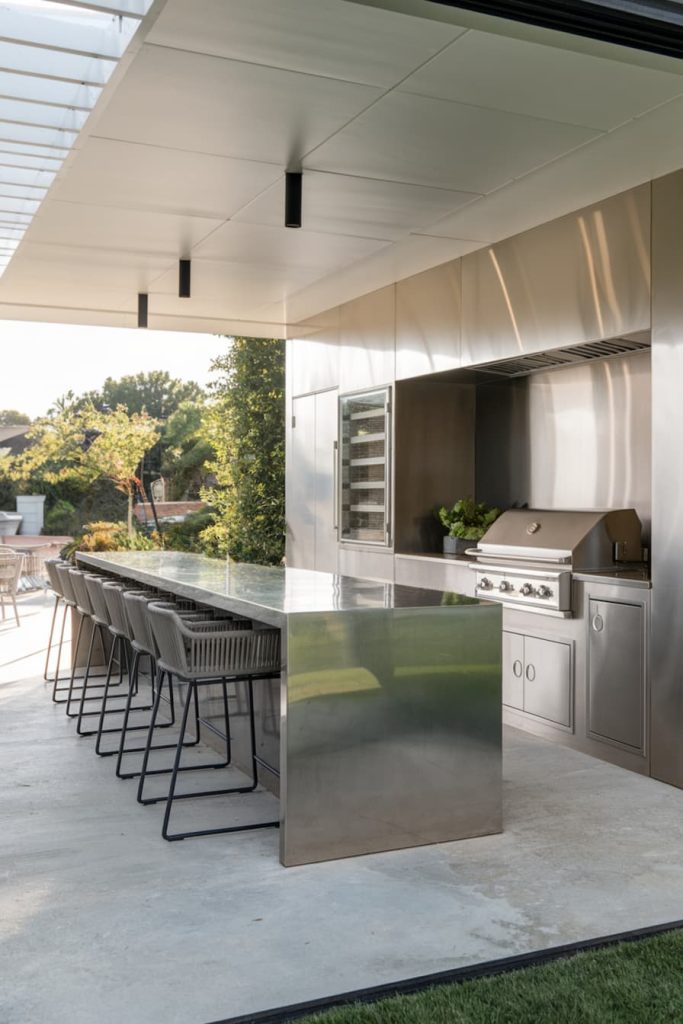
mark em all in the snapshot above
pixel 184 274
pixel 293 199
pixel 143 306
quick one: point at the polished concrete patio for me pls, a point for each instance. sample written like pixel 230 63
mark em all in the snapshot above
pixel 102 920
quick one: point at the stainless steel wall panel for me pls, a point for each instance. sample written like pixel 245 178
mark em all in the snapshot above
pixel 579 437
pixel 433 458
pixel 428 312
pixel 366 563
pixel 393 730
pixel 314 353
pixel 451 576
pixel 666 699
pixel 579 278
pixel 367 336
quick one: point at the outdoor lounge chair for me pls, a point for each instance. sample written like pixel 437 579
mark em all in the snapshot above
pixel 11 565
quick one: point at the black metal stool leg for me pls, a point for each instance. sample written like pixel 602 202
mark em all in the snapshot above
pixel 190 698
pixel 55 688
pixel 123 750
pixel 173 796
pixel 74 654
pixel 49 643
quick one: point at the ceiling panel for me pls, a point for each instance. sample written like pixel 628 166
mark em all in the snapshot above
pixel 271 246
pixel 445 144
pixel 218 287
pixel 542 81
pixel 107 228
pixel 53 275
pixel 319 37
pixel 155 179
pixel 209 105
pixel 365 207
pixel 639 151
pixel 412 255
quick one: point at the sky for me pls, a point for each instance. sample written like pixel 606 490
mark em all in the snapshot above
pixel 40 362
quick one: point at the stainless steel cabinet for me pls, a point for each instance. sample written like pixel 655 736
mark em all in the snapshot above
pixel 537 677
pixel 547 680
pixel 311 483
pixel 513 670
pixel 616 672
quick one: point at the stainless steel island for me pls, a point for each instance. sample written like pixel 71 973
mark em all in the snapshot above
pixel 389 701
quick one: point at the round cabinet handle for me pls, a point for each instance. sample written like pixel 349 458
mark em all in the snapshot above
pixel 530 673
pixel 598 623
pixel 517 668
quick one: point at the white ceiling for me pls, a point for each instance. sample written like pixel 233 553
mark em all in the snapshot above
pixel 420 140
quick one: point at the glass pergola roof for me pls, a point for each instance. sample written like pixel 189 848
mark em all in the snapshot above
pixel 55 58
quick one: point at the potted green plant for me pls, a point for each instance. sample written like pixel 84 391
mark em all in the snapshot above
pixel 466 522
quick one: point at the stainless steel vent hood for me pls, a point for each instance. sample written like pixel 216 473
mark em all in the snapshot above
pixel 522 366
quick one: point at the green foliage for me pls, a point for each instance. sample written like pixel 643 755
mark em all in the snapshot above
pixel 80 445
pixel 185 452
pixel 245 426
pixel 8 490
pixel 109 537
pixel 156 393
pixel 62 519
pixel 186 536
pixel 13 418
pixel 467 519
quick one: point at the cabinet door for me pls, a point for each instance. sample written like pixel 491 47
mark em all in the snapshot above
pixel 513 670
pixel 326 429
pixel 616 683
pixel 547 679
pixel 301 485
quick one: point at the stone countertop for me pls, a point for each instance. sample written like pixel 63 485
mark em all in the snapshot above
pixel 267 593
pixel 632 577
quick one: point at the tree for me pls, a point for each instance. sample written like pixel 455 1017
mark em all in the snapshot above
pixel 245 425
pixel 12 418
pixel 82 445
pixel 185 451
pixel 156 393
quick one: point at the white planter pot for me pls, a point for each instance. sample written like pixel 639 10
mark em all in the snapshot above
pixel 31 508
pixel 9 523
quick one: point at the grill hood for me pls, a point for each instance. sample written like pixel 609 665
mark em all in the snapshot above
pixel 580 539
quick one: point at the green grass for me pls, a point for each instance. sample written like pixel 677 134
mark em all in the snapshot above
pixel 633 983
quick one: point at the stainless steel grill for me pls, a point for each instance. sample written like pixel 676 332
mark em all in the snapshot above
pixel 527 557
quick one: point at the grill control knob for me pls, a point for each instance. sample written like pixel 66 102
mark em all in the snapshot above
pixel 485 583
pixel 544 591
pixel 504 586
pixel 526 589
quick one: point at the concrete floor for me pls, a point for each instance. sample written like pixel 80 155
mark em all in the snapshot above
pixel 102 920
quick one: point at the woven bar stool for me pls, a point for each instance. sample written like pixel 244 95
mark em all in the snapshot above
pixel 208 653
pixel 112 593
pixel 56 588
pixel 201 618
pixel 98 626
pixel 135 604
pixel 63 570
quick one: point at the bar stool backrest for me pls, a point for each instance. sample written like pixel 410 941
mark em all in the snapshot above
pixel 63 571
pixel 113 595
pixel 212 649
pixel 135 604
pixel 94 584
pixel 83 602
pixel 53 576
